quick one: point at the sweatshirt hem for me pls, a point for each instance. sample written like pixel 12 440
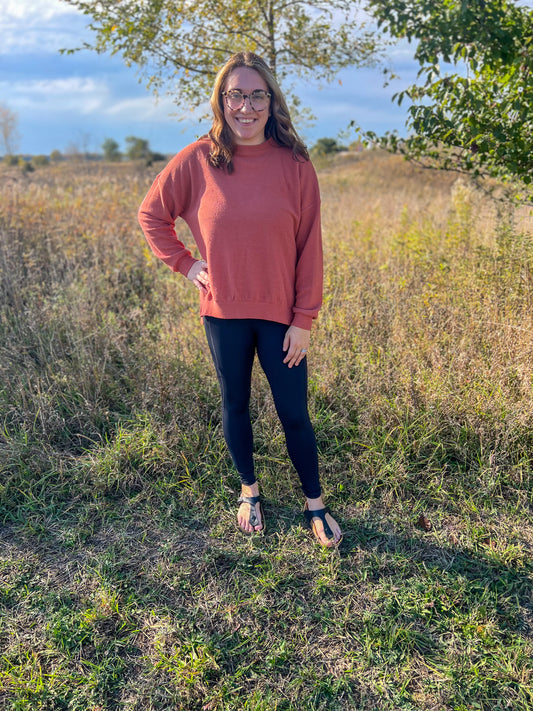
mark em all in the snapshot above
pixel 240 309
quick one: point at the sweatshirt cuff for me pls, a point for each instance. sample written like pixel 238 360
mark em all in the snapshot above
pixel 185 264
pixel 302 321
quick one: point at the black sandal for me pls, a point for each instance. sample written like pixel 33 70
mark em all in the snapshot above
pixel 252 517
pixel 321 514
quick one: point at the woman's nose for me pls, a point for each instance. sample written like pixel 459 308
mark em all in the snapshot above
pixel 247 104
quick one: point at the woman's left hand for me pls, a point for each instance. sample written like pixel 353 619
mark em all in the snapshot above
pixel 296 343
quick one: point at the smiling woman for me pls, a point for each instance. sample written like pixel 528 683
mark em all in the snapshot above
pixel 251 199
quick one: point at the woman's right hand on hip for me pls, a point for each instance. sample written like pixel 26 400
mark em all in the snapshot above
pixel 199 276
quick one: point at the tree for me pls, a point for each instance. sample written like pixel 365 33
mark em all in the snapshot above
pixel 8 129
pixel 111 150
pixel 479 119
pixel 40 160
pixel 138 149
pixel 326 146
pixel 181 44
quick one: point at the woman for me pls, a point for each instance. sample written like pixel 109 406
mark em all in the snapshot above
pixel 250 197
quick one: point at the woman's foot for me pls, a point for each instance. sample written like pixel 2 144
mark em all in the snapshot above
pixel 246 509
pixel 330 538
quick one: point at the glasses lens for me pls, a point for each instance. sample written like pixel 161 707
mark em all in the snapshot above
pixel 259 99
pixel 234 99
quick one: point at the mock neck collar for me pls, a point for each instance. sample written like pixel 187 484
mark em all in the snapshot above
pixel 254 150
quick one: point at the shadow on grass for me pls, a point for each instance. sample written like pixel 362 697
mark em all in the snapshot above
pixel 243 614
pixel 123 551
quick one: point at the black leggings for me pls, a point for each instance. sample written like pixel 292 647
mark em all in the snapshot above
pixel 233 343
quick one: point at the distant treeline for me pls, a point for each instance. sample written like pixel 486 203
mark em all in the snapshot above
pixel 138 149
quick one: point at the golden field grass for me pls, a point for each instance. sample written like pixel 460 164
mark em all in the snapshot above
pixel 124 583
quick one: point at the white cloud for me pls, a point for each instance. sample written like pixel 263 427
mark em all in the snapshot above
pixel 39 25
pixel 86 96
pixel 82 95
pixel 144 108
pixel 36 10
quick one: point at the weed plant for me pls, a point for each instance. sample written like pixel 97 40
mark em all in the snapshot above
pixel 124 583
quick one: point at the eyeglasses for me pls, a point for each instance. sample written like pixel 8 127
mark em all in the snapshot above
pixel 235 99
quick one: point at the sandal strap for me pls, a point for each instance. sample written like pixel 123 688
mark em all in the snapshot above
pixel 321 514
pixel 252 501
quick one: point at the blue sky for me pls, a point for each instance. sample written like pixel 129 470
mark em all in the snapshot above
pixel 80 100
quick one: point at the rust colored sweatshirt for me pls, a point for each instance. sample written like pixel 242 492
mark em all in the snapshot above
pixel 258 229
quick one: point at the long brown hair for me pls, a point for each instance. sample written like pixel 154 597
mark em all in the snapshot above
pixel 278 127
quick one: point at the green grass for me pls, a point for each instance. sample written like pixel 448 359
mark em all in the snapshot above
pixel 124 583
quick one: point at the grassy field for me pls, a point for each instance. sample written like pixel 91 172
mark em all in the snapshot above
pixel 124 583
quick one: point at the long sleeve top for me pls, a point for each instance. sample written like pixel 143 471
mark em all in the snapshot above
pixel 257 228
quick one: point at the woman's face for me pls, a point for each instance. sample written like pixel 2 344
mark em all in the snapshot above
pixel 246 124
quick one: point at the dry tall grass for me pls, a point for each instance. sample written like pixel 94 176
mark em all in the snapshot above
pixel 123 581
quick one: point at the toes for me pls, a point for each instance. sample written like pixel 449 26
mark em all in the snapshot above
pixel 321 534
pixel 259 526
pixel 243 519
pixel 335 528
